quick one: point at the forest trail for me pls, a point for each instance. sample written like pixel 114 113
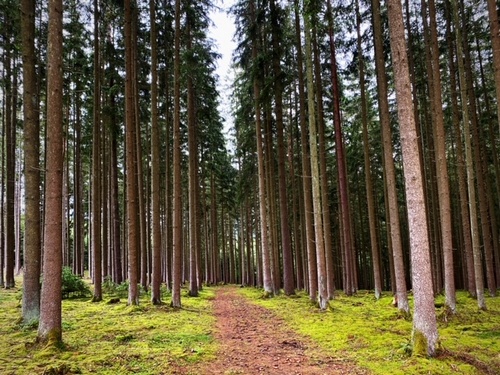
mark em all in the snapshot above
pixel 253 340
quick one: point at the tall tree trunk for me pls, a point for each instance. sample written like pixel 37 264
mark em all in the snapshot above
pixel 177 183
pixel 32 236
pixel 96 167
pixel 306 168
pixel 471 188
pixel 441 165
pixel 350 286
pixel 425 335
pixel 288 283
pixel 50 325
pixel 327 231
pixel 155 164
pixel 130 159
pixel 478 158
pixel 316 187
pixel 372 217
pixel 390 173
pixel 461 170
pixel 193 173
pixel 10 156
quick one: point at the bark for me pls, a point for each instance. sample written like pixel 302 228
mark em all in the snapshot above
pixel 32 235
pixel 306 169
pixel 50 325
pixel 288 283
pixel 96 168
pixel 177 183
pixel 461 170
pixel 155 165
pixel 471 189
pixel 10 156
pixel 390 173
pixel 425 335
pixel 315 174
pixel 350 285
pixel 323 170
pixel 372 217
pixel 130 159
pixel 441 165
pixel 266 256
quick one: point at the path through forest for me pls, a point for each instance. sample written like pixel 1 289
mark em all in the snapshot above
pixel 253 340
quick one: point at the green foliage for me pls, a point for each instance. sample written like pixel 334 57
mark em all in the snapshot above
pixel 111 339
pixel 73 285
pixel 374 335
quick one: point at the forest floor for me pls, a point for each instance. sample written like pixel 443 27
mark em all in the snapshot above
pixel 254 340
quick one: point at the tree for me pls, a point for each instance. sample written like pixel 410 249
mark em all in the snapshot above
pixel 96 166
pixel 372 218
pixel 425 335
pixel 177 183
pixel 32 235
pixel 50 325
pixel 390 173
pixel 288 284
pixel 316 188
pixel 441 162
pixel 130 159
pixel 155 164
pixel 306 166
pixel 471 189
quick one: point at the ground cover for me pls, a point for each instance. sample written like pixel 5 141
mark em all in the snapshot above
pixel 230 330
pixel 375 336
pixel 102 338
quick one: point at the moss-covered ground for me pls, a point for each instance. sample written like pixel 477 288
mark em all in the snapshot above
pixel 102 338
pixel 375 336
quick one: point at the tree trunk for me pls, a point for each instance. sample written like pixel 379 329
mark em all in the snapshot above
pixel 96 167
pixel 130 159
pixel 349 286
pixel 461 171
pixel 50 325
pixel 32 236
pixel 425 335
pixel 306 168
pixel 390 173
pixel 155 164
pixel 316 188
pixel 441 165
pixel 372 217
pixel 177 183
pixel 288 283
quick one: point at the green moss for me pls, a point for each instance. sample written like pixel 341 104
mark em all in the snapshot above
pixel 374 335
pixel 420 344
pixel 111 339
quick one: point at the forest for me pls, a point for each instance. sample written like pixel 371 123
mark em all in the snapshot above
pixel 360 168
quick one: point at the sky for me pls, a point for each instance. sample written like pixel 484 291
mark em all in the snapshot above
pixel 222 32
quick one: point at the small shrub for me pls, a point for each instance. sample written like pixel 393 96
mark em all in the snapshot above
pixel 73 285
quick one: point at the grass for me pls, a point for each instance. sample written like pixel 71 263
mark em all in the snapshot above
pixel 373 335
pixel 103 338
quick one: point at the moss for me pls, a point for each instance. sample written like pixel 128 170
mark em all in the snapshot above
pixel 376 336
pixel 419 344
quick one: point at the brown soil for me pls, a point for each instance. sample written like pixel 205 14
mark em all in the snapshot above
pixel 253 340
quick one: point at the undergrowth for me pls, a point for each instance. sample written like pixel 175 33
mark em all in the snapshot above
pixel 104 338
pixel 373 335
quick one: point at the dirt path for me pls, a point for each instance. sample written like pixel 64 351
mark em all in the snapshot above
pixel 255 341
